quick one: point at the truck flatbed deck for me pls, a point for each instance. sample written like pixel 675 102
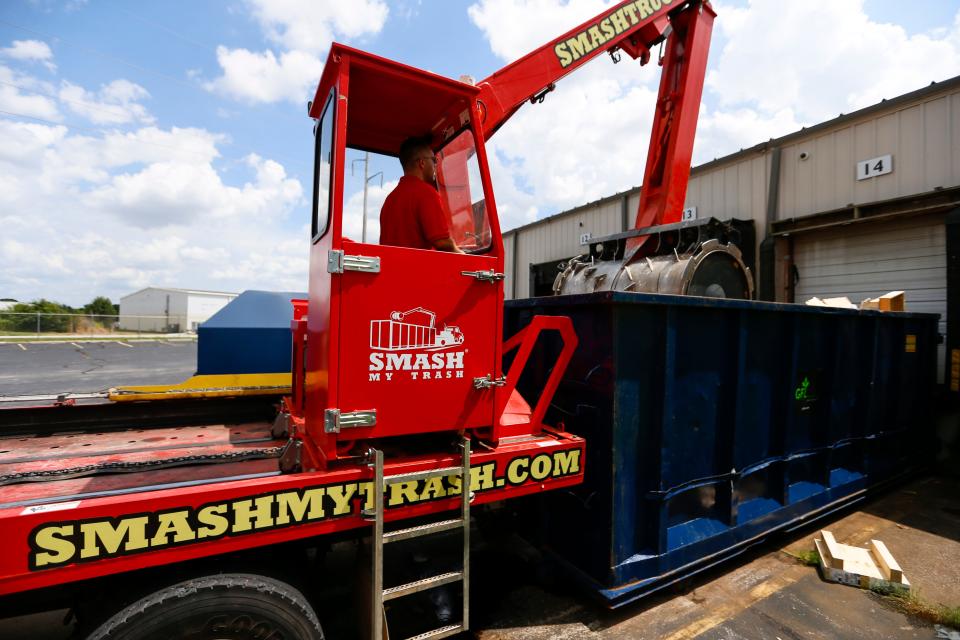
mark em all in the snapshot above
pixel 36 470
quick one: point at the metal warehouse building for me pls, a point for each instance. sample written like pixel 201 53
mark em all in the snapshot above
pixel 166 309
pixel 857 206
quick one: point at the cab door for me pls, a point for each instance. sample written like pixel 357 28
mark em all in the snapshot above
pixel 419 327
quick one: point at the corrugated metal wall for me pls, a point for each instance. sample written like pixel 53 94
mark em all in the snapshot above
pixel 509 239
pixel 909 254
pixel 559 237
pixel 736 190
pixel 924 139
pixel 923 136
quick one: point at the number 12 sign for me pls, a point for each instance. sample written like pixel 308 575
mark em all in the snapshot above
pixel 874 167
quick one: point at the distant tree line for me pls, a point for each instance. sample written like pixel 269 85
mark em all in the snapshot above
pixel 99 313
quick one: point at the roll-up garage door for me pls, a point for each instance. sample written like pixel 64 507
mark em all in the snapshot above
pixel 869 259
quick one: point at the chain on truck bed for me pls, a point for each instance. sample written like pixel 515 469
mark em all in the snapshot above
pixel 145 465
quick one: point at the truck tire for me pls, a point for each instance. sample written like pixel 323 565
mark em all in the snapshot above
pixel 228 606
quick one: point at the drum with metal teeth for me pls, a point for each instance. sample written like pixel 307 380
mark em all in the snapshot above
pixel 710 269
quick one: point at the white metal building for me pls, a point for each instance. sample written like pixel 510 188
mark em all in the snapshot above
pixel 167 309
pixel 856 206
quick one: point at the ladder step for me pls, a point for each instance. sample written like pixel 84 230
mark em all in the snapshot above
pixel 420 475
pixel 422 530
pixel 421 585
pixel 442 632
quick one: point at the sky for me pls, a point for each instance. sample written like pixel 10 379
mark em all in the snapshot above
pixel 168 143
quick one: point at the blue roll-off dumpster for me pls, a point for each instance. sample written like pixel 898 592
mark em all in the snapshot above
pixel 713 423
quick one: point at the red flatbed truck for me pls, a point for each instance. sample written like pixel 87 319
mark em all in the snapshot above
pixel 378 429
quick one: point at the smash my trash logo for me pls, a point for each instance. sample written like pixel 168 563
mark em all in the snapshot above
pixel 409 345
pixel 56 544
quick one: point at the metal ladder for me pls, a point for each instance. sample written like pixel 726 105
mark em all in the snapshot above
pixel 381 595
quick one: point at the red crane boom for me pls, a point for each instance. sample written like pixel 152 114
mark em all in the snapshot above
pixel 633 27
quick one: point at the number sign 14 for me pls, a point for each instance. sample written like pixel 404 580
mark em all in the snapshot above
pixel 874 167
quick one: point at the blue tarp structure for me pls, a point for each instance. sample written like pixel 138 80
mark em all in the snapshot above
pixel 249 335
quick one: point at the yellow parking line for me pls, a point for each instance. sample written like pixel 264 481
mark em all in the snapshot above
pixel 124 344
pixel 21 346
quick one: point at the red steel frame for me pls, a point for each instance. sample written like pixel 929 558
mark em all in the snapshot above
pixel 506 467
pixel 65 528
pixel 687 27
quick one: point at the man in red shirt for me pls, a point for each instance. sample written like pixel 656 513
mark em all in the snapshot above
pixel 412 215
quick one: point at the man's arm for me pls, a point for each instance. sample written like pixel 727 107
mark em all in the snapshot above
pixel 447 244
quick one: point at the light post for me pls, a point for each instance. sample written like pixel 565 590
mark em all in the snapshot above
pixel 366 180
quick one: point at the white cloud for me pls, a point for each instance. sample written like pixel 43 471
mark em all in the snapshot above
pixel 86 213
pixel 167 218
pixel 516 27
pixel 255 77
pixel 170 193
pixel 304 30
pixel 307 25
pixel 587 139
pixel 31 51
pixel 16 96
pixel 116 103
pixel 822 57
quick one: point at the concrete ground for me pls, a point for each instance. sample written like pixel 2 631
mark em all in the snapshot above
pixel 767 595
pixel 81 367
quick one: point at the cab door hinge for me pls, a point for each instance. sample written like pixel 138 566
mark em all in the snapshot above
pixel 334 420
pixel 338 262
pixel 489 382
pixel 484 276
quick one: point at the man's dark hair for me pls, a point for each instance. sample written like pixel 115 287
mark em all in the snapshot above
pixel 411 147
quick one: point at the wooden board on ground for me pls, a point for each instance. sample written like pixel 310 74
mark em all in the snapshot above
pixel 867 568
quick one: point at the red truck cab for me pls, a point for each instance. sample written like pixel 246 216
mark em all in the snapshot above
pixel 372 371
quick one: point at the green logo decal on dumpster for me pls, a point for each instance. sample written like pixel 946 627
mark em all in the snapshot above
pixel 803 391
pixel 807 391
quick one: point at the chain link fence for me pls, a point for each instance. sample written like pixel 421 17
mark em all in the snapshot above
pixel 13 323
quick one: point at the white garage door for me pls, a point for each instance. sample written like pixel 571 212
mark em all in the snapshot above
pixel 869 259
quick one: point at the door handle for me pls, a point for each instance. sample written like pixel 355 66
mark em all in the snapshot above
pixel 484 276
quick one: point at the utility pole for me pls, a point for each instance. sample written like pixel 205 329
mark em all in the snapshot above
pixel 366 170
pixel 366 181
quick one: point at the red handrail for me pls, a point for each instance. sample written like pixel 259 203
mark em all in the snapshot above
pixel 525 339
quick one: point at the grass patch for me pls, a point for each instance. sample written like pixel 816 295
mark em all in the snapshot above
pixel 910 603
pixel 808 558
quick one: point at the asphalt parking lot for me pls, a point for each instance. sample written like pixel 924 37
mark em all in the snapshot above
pixel 86 367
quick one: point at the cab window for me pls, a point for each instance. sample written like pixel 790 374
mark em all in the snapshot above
pixel 458 180
pixel 323 163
